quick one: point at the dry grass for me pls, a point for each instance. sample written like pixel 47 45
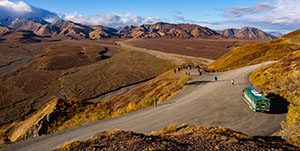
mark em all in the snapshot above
pixel 141 97
pixel 71 113
pixel 293 37
pixel 252 54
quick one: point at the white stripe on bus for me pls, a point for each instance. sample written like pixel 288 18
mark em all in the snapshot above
pixel 250 101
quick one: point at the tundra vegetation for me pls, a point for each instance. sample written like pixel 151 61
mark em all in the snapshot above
pixel 71 70
pixel 69 113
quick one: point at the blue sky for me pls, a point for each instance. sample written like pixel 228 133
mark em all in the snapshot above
pixel 193 9
pixel 269 15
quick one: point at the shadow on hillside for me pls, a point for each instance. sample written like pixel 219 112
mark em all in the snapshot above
pixel 279 105
pixel 241 83
pixel 165 103
pixel 198 82
pixel 269 138
pixel 103 57
pixel 272 140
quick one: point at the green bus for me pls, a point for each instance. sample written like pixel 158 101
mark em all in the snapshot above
pixel 255 100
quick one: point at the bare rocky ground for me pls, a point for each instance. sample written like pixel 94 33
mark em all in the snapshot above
pixel 177 138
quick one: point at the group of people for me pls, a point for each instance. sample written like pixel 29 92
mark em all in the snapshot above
pixel 187 66
pixel 191 66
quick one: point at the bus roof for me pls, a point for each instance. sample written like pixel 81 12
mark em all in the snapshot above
pixel 255 94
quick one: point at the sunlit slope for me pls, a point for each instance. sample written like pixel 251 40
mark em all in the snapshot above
pixel 293 37
pixel 257 53
pixel 282 78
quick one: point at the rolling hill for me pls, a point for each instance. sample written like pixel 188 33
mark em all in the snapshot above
pixel 81 71
pixel 256 53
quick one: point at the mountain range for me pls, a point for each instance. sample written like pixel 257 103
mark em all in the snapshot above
pixel 69 29
pixel 247 32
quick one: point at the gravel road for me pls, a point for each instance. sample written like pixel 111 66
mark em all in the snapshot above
pixel 203 102
pixel 175 58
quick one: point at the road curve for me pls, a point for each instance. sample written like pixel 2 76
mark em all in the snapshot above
pixel 203 102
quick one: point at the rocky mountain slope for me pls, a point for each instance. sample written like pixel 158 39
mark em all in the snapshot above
pixel 167 30
pixel 276 34
pixel 21 36
pixel 69 29
pixel 77 31
pixel 180 138
pixel 6 20
pixel 246 32
pixel 4 30
pixel 62 29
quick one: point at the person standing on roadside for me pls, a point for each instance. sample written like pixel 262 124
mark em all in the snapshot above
pixel 216 78
pixel 232 82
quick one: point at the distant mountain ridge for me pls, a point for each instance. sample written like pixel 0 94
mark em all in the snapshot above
pixel 246 32
pixel 167 30
pixel 276 34
pixel 69 29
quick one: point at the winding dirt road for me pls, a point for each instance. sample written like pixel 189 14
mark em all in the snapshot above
pixel 175 58
pixel 203 102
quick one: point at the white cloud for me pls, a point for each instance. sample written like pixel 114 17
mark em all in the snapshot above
pixel 259 7
pixel 16 7
pixel 111 19
pixel 271 15
pixel 286 12
pixel 21 9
